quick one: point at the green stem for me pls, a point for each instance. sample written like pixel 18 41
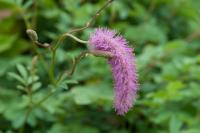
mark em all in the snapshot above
pixel 52 67
pixel 97 53
pixel 34 19
pixel 45 65
pixel 60 77
pixel 62 37
pixel 25 120
pixel 21 11
pixel 31 107
pixel 29 91
pixel 30 96
pixel 77 60
pixel 44 98
pixel 89 23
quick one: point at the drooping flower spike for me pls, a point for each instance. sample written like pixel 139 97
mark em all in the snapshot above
pixel 123 66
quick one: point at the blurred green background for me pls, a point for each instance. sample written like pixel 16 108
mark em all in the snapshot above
pixel 165 35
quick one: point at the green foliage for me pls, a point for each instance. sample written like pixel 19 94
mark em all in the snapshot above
pixel 165 35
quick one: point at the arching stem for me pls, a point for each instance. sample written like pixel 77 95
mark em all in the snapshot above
pixel 61 39
pixel 97 53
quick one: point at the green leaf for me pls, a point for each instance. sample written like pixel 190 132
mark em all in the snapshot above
pixel 18 121
pixel 174 125
pixel 27 4
pixel 148 32
pixel 2 107
pixel 19 2
pixel 22 70
pixel 20 87
pixel 36 86
pixel 84 95
pixel 71 81
pixel 17 77
pixel 18 46
pixel 72 128
pixel 6 42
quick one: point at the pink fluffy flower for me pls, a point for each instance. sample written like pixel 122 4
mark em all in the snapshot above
pixel 123 66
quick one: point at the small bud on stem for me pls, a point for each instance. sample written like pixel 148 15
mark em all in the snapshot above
pixel 32 35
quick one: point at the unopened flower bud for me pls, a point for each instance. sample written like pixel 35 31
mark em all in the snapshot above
pixel 32 34
pixel 46 45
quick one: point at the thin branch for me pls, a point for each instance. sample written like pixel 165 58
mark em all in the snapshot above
pixel 75 38
pixel 45 98
pixel 34 38
pixel 97 53
pixel 44 45
pixel 68 35
pixel 34 8
pixel 24 17
pixel 193 36
pixel 89 23
pixel 33 35
pixel 77 60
